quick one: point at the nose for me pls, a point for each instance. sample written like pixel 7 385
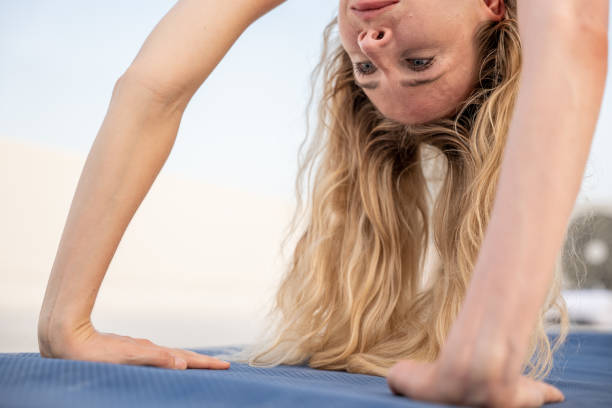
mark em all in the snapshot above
pixel 374 40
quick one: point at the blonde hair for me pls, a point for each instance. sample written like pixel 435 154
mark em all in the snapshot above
pixel 352 298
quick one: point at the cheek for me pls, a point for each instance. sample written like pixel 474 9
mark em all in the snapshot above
pixel 348 35
pixel 452 94
pixel 466 53
pixel 348 30
pixel 468 67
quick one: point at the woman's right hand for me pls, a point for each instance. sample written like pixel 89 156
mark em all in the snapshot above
pixel 88 344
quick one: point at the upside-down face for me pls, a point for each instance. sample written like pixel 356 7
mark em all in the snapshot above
pixel 416 60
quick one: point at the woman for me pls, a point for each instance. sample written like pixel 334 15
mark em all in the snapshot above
pixel 409 73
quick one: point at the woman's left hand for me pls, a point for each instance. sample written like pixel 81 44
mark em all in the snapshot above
pixel 438 382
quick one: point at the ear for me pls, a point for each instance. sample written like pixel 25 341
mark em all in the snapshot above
pixel 495 9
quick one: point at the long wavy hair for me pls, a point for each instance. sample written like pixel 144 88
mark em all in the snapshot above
pixel 356 295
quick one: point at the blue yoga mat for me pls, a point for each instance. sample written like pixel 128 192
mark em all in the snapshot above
pixel 583 371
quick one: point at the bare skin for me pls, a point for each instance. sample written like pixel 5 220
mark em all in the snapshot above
pixel 565 43
pixel 416 60
pixel 565 57
pixel 131 147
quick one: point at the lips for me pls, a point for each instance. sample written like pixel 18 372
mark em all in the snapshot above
pixel 368 5
pixel 371 8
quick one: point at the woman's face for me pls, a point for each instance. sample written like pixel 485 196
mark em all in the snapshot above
pixel 415 59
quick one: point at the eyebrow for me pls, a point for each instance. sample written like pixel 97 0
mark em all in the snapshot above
pixel 410 83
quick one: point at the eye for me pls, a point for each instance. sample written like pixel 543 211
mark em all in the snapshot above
pixel 364 68
pixel 419 64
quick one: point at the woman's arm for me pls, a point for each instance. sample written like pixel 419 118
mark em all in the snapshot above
pixel 132 145
pixel 565 64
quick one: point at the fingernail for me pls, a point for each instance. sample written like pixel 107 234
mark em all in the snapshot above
pixel 180 363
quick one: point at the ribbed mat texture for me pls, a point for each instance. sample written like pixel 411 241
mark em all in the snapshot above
pixel 583 371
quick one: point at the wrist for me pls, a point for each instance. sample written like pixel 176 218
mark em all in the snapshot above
pixel 57 331
pixel 482 352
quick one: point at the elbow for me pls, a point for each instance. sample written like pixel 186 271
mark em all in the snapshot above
pixel 590 33
pixel 581 33
pixel 150 92
pixel 589 48
pixel 581 25
pixel 569 25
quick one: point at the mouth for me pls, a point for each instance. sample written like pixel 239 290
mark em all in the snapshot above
pixel 368 9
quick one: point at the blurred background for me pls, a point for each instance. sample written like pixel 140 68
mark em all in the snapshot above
pixel 200 261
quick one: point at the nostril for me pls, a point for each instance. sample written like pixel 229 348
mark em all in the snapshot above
pixel 374 35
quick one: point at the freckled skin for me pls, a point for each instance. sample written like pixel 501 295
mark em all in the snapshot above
pixel 443 29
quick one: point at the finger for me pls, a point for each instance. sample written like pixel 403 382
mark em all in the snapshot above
pixel 145 342
pixel 410 378
pixel 396 378
pixel 551 393
pixel 531 393
pixel 197 360
pixel 153 356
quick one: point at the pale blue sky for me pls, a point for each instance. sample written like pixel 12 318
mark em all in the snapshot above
pixel 60 59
